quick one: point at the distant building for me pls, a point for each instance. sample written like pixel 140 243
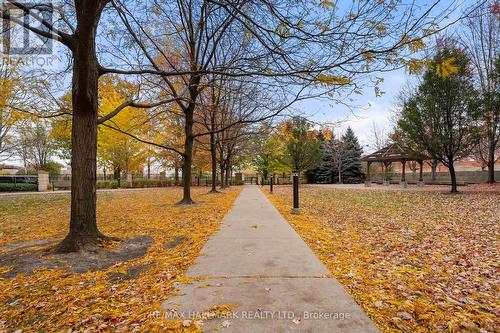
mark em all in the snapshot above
pixel 9 169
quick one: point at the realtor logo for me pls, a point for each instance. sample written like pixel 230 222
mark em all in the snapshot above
pixel 18 40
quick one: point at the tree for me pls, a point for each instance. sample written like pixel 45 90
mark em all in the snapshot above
pixel 349 165
pixel 116 150
pixel 481 39
pixel 439 118
pixel 81 42
pixel 378 136
pixel 341 159
pixel 302 148
pixel 36 145
pixel 268 44
pixel 322 173
pixel 77 30
pixel 267 151
pixel 12 91
pixel 286 47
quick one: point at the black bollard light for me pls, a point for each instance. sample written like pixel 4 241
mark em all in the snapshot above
pixel 271 183
pixel 295 178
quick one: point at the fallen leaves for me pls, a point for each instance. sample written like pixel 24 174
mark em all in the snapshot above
pixel 415 261
pixel 107 300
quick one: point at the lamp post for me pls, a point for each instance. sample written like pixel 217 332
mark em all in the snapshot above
pixel 295 178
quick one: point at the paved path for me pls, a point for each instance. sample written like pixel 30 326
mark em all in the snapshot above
pixel 260 264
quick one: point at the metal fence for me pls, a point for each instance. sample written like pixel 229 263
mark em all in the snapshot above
pixel 14 183
pixel 18 179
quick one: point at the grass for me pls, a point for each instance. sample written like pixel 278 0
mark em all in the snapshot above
pixel 414 261
pixel 56 300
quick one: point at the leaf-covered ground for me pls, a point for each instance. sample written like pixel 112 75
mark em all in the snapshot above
pixel 121 297
pixel 415 261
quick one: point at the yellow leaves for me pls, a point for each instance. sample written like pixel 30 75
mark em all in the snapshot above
pixel 184 279
pixel 332 79
pixel 326 4
pixel 115 148
pixel 369 56
pixel 57 301
pixel 416 45
pixel 447 68
pixel 156 10
pixel 415 66
pixel 377 25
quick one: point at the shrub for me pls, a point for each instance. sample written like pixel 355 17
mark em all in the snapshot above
pixel 111 184
pixel 21 187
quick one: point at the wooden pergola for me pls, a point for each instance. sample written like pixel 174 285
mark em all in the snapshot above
pixel 393 153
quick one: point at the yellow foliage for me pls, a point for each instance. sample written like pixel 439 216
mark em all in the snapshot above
pixel 333 80
pixel 116 149
pixel 415 66
pixel 60 301
pixel 416 45
pixel 447 68
pixel 326 4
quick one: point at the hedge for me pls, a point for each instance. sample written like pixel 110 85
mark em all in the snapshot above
pixel 20 187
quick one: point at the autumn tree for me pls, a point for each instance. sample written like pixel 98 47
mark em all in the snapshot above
pixel 289 46
pixel 80 39
pixel 119 151
pixel 268 151
pixel 291 50
pixel 36 144
pixel 481 39
pixel 439 118
pixel 9 88
pixel 302 149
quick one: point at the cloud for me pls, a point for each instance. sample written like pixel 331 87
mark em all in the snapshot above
pixel 362 122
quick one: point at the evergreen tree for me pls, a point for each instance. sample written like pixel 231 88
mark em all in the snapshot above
pixel 340 161
pixel 351 171
pixel 322 172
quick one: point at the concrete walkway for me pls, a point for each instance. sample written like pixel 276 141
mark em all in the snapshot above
pixel 260 264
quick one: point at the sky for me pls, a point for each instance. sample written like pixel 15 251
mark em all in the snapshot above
pixel 368 109
pixel 365 110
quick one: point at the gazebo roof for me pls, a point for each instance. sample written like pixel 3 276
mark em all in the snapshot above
pixel 391 153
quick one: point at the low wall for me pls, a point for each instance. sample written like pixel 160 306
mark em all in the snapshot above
pixel 43 181
pixel 472 177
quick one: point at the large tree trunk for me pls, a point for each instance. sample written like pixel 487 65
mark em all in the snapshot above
pixel 83 226
pixel 453 177
pixel 491 164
